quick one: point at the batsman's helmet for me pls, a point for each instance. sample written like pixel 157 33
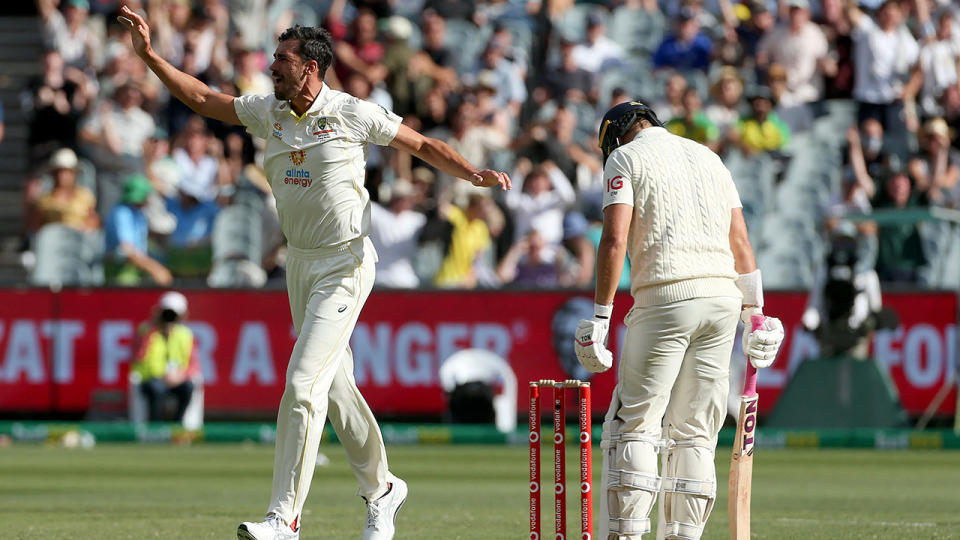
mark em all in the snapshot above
pixel 618 121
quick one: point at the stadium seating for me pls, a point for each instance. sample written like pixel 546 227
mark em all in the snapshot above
pixel 237 246
pixel 66 256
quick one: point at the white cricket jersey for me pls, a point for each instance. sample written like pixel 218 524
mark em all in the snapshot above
pixel 682 196
pixel 315 162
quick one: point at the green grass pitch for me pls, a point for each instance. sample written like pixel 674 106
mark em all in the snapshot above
pixel 128 491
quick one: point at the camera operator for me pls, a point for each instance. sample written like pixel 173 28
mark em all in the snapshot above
pixel 844 306
pixel 164 359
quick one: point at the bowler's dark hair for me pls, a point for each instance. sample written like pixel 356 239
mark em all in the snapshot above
pixel 315 44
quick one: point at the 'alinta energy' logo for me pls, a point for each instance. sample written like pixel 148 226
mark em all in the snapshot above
pixel 277 130
pixel 298 177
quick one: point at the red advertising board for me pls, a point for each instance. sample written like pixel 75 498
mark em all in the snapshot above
pixel 58 349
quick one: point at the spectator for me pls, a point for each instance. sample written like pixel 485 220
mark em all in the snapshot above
pixel 566 81
pixel 487 104
pixel 868 155
pixel 599 52
pixel 57 98
pixel 424 197
pixel 694 124
pixel 399 59
pixel 884 53
pixel 67 32
pixel 503 37
pixel 687 47
pixel 557 144
pixel 127 259
pixel 433 111
pixel 937 67
pixel 579 271
pixel 164 362
pixel 937 167
pixel 672 105
pixel 116 132
pixel 469 240
pixel 249 77
pixel 188 248
pixel 837 30
pixel 724 111
pixel 434 29
pixel 762 130
pixel 504 78
pixel 866 162
pixel 539 200
pixel 798 116
pixel 358 50
pixel 951 110
pixel 704 18
pixel 67 203
pixel 759 21
pixel 394 231
pixel 198 167
pixel 900 255
pixel 194 215
pixel 532 262
pixel 164 175
pixel 799 46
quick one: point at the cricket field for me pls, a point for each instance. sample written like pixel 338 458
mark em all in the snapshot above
pixel 135 491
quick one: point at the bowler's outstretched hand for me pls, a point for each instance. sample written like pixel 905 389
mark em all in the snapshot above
pixel 491 178
pixel 139 30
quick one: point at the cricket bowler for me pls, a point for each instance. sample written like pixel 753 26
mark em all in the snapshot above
pixel 672 205
pixel 315 158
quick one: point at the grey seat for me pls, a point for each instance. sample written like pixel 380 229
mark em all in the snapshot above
pixel 237 234
pixel 67 256
pixel 237 247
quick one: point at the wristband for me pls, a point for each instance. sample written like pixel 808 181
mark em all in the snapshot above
pixel 602 312
pixel 751 286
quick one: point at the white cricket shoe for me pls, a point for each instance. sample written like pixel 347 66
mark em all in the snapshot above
pixel 272 528
pixel 382 513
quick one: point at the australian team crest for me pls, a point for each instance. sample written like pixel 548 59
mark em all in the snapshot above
pixel 297 157
pixel 322 128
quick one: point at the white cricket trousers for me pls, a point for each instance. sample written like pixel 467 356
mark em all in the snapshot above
pixel 672 385
pixel 327 288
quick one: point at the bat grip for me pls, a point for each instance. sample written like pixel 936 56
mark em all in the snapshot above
pixel 750 381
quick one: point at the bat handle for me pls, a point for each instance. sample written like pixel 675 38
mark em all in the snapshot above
pixel 750 381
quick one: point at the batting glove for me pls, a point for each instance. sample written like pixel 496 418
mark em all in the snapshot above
pixel 591 340
pixel 761 345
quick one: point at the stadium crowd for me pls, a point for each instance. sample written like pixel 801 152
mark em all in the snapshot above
pixel 517 85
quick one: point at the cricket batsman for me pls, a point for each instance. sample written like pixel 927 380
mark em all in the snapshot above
pixel 672 205
pixel 315 159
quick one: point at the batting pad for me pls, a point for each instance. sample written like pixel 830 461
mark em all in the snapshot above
pixel 689 489
pixel 630 483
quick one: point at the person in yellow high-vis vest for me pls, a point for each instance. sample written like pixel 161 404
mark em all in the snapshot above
pixel 164 358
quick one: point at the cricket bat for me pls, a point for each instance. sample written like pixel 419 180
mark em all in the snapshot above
pixel 741 464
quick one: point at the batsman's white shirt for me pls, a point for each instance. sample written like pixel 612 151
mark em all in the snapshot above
pixel 315 163
pixel 679 240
